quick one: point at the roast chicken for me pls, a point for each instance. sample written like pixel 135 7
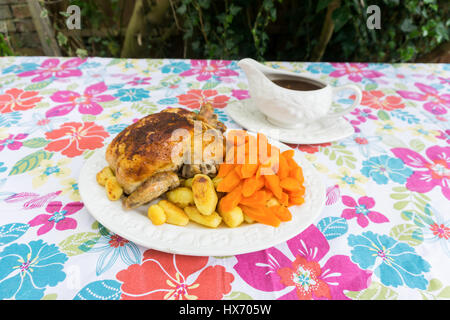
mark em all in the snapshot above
pixel 142 155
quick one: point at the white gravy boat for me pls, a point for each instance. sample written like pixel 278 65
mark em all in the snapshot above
pixel 289 108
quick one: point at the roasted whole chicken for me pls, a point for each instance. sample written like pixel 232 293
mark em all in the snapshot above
pixel 148 157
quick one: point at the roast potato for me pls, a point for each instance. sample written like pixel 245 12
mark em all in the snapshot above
pixel 232 218
pixel 104 175
pixel 113 189
pixel 205 196
pixel 156 214
pixel 174 214
pixel 212 221
pixel 181 196
pixel 188 183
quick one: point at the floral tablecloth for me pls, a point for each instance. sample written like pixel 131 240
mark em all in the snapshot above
pixel 383 234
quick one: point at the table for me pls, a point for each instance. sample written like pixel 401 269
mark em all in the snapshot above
pixel 383 234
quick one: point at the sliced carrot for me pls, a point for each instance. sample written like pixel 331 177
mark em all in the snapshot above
pixel 262 214
pixel 257 199
pixel 248 170
pixel 229 182
pixel 273 183
pixel 238 168
pixel 231 199
pixel 297 174
pixel 288 153
pixel 282 213
pixel 224 169
pixel 251 185
pixel 296 200
pixel 292 164
pixel 283 170
pixel 284 199
pixel 297 193
pixel 290 184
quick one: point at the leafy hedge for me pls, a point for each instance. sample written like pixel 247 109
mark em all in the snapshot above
pixel 284 30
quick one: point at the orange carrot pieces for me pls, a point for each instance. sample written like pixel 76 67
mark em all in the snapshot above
pixel 273 183
pixel 282 213
pixel 231 200
pixel 251 185
pixel 290 184
pixel 284 200
pixel 224 169
pixel 229 182
pixel 256 199
pixel 238 170
pixel 283 170
pixel 261 214
pixel 297 193
pixel 248 170
pixel 288 153
pixel 296 200
pixel 297 174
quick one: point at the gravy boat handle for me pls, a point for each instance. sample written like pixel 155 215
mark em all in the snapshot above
pixel 350 108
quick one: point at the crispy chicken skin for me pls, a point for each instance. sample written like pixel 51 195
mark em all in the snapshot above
pixel 144 149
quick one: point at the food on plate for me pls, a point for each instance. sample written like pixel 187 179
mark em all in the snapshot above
pixel 156 214
pixel 113 189
pixel 181 196
pixel 205 196
pixel 232 218
pixel 103 175
pixel 174 214
pixel 212 220
pixel 247 180
pixel 146 159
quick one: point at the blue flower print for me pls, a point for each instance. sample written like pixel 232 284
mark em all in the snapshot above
pixel 111 247
pixel 175 67
pixel 132 94
pixel 27 269
pixel 18 68
pixel 366 144
pixel 322 67
pixel 394 263
pixel 8 119
pixel 3 168
pixel 221 115
pixel 382 168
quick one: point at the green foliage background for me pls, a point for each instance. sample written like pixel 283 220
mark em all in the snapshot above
pixel 283 30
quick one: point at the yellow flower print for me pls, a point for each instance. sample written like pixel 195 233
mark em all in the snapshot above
pixel 346 179
pixel 70 188
pixel 3 134
pixel 313 160
pixel 387 127
pixel 48 168
pixel 420 131
pixel 115 116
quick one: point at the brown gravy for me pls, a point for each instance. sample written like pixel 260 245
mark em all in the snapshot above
pixel 297 85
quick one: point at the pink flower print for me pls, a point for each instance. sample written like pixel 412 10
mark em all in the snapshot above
pixel 87 103
pixel 436 103
pixel 13 141
pixel 57 217
pixel 361 210
pixel 308 276
pixel 205 69
pixel 362 115
pixel 355 71
pixel 51 68
pixel 435 172
pixel 139 81
pixel 240 94
pixel 445 135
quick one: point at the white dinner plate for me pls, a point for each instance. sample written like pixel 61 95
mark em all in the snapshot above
pixel 248 116
pixel 194 239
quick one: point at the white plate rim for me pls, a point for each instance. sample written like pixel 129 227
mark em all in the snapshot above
pixel 196 240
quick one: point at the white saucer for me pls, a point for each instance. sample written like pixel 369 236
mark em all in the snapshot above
pixel 249 117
